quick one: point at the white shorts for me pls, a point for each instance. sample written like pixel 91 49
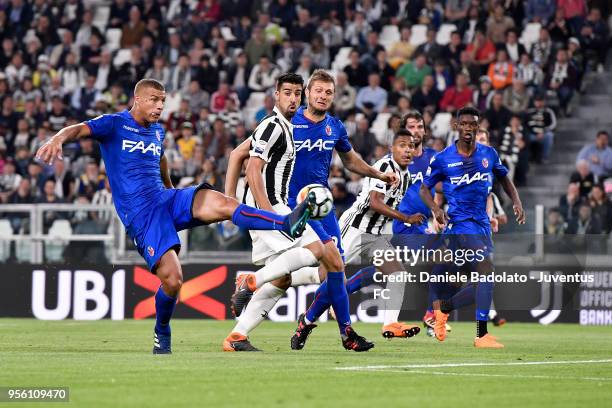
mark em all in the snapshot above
pixel 359 246
pixel 267 243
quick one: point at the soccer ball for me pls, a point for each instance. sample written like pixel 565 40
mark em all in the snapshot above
pixel 323 199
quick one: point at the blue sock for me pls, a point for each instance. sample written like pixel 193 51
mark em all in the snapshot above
pixel 484 296
pixel 463 297
pixel 252 218
pixel 436 289
pixel 338 297
pixel 164 307
pixel 361 279
pixel 320 303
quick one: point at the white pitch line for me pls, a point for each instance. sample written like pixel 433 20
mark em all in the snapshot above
pixel 543 377
pixel 445 365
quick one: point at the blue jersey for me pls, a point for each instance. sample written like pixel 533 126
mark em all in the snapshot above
pixel 131 156
pixel 466 181
pixel 412 203
pixel 314 143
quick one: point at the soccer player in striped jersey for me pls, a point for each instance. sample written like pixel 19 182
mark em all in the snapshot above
pixel 272 156
pixel 466 170
pixel 151 209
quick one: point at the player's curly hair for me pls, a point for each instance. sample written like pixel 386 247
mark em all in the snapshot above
pixel 468 110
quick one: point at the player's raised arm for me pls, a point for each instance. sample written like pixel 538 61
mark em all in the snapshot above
pixel 234 166
pixel 53 148
pixel 165 172
pixel 377 204
pixel 353 162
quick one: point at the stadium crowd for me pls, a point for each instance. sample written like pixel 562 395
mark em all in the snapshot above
pixel 62 62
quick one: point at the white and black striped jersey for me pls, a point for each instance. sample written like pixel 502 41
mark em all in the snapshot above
pixel 360 215
pixel 272 141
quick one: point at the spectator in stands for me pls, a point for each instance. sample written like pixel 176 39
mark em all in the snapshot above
pixel 398 91
pixel 268 107
pixel 61 51
pixel 442 76
pixel 541 121
pixel 432 50
pixel 355 33
pixel 215 142
pixel 48 196
pixel 257 46
pixel 452 51
pixel 481 50
pixel 263 75
pixel 180 76
pixel 585 223
pixel 91 181
pixel 540 11
pixel 513 48
pixel 501 71
pixel 583 177
pixel 207 75
pixel 574 11
pixel 563 79
pixel 231 115
pixel 401 51
pixel 542 49
pixel 559 29
pixel 498 24
pixel 186 142
pixel 458 96
pixel 594 36
pixel 305 68
pixel 427 95
pixel 58 115
pixel 84 97
pixel 208 174
pixel 364 141
pixel 601 207
pixel 516 97
pixel 469 68
pixel 555 224
pixel 345 96
pixel 372 95
pixel 342 198
pixel 303 29
pixel 219 100
pixel 103 197
pixel 197 97
pixel 456 11
pixel 159 70
pixel 369 51
pixel 529 73
pixel 498 115
pixel 193 165
pixel 23 195
pixel 414 71
pixel 482 96
pixel 332 35
pixel 569 202
pixel 119 13
pixel 64 180
pixel 9 180
pixel 514 151
pixel 598 155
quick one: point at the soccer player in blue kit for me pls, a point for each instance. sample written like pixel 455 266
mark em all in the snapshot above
pixel 466 170
pixel 146 202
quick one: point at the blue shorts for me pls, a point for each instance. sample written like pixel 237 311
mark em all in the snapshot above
pixel 154 230
pixel 414 236
pixel 470 234
pixel 327 228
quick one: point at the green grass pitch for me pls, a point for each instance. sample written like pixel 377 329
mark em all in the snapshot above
pixel 109 364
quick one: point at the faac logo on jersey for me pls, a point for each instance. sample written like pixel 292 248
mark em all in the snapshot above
pixel 131 146
pixel 416 177
pixel 319 145
pixel 466 179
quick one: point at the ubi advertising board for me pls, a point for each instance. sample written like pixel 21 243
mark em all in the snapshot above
pixel 119 292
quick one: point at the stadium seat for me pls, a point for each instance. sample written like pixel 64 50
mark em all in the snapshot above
pixel 123 55
pixel 256 100
pixel 6 233
pixel 530 35
pixel 389 35
pixel 444 33
pixel 58 233
pixel 23 250
pixel 441 124
pixel 173 101
pixel 342 59
pixel 113 39
pixel 419 34
pixel 101 16
pixel 379 126
pixel 226 33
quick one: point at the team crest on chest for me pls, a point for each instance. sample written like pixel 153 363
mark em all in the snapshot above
pixel 328 130
pixel 158 135
pixel 485 163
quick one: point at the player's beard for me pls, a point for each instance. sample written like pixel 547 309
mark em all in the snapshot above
pixel 316 112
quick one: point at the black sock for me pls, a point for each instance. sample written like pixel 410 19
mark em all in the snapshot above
pixel 446 306
pixel 481 328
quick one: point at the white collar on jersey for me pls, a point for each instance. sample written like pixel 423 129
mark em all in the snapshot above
pixel 282 117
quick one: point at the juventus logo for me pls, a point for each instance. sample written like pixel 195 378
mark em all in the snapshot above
pixel 551 297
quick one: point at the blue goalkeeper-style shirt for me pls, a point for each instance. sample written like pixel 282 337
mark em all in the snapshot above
pixel 131 156
pixel 466 181
pixel 314 143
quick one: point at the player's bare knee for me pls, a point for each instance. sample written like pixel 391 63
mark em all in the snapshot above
pixel 227 206
pixel 317 249
pixel 332 260
pixel 282 282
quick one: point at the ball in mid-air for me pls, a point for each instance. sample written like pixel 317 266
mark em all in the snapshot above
pixel 324 202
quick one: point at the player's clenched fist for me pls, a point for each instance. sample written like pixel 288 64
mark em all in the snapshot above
pixel 390 178
pixel 415 219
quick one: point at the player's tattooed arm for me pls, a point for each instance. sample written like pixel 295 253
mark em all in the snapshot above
pixel 53 148
pixel 437 212
pixel 377 204
pixel 517 206
pixel 234 167
pixel 256 183
pixel 165 172
pixel 353 162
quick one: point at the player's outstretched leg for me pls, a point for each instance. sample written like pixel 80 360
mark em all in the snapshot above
pixel 168 270
pixel 212 206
